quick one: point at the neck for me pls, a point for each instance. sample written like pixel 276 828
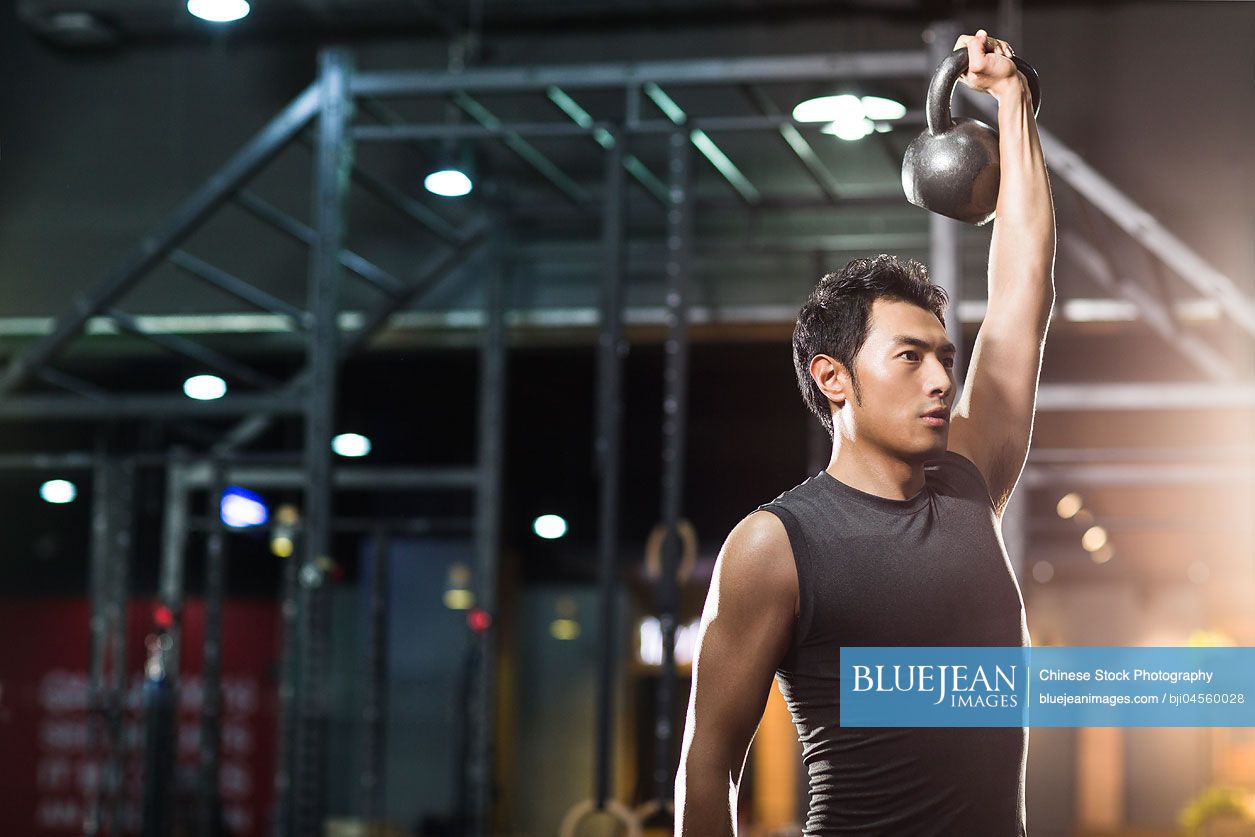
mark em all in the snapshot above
pixel 875 471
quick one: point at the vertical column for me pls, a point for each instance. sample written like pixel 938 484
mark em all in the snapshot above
pixel 95 821
pixel 675 415
pixel 945 235
pixel 611 348
pixel 119 582
pixel 285 751
pixel 162 724
pixel 332 161
pixel 210 808
pixel 492 383
pixel 374 702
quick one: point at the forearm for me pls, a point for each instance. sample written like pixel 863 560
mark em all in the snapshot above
pixel 705 800
pixel 1022 251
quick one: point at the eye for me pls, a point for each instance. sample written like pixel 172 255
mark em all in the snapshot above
pixel 910 352
pixel 947 362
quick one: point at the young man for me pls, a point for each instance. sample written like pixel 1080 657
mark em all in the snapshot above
pixel 880 548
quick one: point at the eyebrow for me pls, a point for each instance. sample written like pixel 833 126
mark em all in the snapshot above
pixel 908 340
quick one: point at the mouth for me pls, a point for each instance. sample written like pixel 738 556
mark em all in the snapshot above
pixel 936 418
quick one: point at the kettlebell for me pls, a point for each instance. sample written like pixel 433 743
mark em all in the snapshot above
pixel 952 168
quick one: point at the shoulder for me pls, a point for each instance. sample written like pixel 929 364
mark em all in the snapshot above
pixel 756 562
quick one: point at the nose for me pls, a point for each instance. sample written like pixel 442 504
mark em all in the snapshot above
pixel 940 379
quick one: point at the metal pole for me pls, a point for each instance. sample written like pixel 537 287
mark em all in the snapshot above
pixel 119 584
pixel 487 535
pixel 95 821
pixel 375 700
pixel 288 674
pixel 333 160
pixel 675 414
pixel 611 349
pixel 162 725
pixel 211 671
pixel 945 235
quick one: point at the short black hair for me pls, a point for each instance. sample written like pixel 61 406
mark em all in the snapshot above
pixel 836 317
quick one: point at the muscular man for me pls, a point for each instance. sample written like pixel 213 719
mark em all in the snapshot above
pixel 897 542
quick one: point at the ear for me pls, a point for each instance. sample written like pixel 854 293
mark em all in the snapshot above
pixel 832 378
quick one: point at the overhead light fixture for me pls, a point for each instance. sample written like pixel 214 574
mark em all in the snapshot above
pixel 452 176
pixel 204 387
pixel 351 444
pixel 849 116
pixel 218 11
pixel 549 526
pixel 448 183
pixel 58 492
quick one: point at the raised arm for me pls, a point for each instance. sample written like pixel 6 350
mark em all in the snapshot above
pixel 746 628
pixel 993 421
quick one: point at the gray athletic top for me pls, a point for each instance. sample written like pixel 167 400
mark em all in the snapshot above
pixel 931 570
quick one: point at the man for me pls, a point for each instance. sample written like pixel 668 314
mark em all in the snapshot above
pixel 880 548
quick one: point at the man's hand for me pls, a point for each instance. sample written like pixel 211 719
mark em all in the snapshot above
pixel 989 64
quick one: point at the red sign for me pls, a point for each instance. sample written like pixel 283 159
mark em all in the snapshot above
pixel 48 774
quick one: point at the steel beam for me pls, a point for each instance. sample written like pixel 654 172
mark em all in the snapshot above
pixel 886 64
pixel 1138 224
pixel 1155 313
pixel 73 408
pixel 153 250
pixel 333 161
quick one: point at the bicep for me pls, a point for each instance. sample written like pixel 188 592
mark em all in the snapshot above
pixel 746 628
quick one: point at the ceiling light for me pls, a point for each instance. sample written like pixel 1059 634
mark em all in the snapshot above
pixel 448 183
pixel 1094 539
pixel 58 491
pixel 1068 505
pixel 351 444
pixel 549 526
pixel 218 11
pixel 204 387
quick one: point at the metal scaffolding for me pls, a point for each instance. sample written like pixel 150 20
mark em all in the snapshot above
pixel 330 107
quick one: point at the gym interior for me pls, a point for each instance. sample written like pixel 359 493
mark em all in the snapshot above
pixel 382 379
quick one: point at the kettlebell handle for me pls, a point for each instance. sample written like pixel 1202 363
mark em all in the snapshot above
pixel 941 88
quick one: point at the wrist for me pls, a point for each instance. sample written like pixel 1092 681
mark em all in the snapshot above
pixel 1011 90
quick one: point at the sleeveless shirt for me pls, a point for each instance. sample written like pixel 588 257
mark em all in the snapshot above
pixel 931 570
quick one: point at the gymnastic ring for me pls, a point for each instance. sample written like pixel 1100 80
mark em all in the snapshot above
pixel 688 552
pixel 580 810
pixel 650 807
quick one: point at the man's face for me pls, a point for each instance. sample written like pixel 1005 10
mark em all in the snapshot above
pixel 904 370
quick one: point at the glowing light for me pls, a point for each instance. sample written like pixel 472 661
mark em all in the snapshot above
pixel 1043 571
pixel 549 526
pixel 1094 539
pixel 564 629
pixel 448 183
pixel 282 546
pixel 218 11
pixel 849 129
pixel 840 108
pixel 880 108
pixel 242 508
pixel 58 491
pixel 849 117
pixel 458 599
pixel 650 642
pixel 204 387
pixel 351 444
pixel 1068 505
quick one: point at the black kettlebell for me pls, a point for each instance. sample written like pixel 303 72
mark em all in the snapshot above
pixel 952 168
